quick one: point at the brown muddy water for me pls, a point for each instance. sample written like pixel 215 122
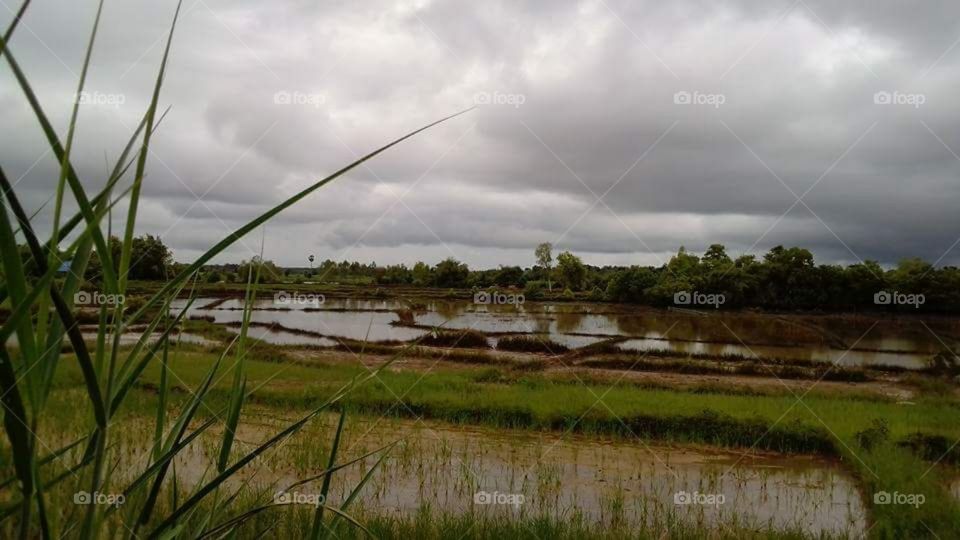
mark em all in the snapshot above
pixel 904 342
pixel 515 473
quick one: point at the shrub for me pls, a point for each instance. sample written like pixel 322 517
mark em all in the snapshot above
pixel 456 338
pixel 533 290
pixel 533 344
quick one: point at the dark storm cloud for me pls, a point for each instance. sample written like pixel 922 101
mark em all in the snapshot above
pixel 578 102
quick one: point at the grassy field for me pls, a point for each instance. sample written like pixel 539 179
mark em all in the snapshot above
pixel 820 422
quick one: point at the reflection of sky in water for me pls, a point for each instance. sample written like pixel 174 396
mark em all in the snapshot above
pixel 281 337
pixel 808 353
pixel 770 336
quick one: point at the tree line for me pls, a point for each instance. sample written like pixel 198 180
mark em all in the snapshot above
pixel 782 279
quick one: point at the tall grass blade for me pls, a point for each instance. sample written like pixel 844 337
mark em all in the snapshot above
pixel 356 491
pixel 325 487
pixel 142 159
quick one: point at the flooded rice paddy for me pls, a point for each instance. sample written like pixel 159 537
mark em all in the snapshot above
pixel 846 341
pixel 460 470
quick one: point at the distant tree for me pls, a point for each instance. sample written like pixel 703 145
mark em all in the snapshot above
pixel 716 256
pixel 789 279
pixel 150 259
pixel 422 274
pixel 911 276
pixel 544 254
pixel 681 273
pixel 630 285
pixel 395 274
pixel 268 271
pixel 509 275
pixel 451 273
pixel 571 271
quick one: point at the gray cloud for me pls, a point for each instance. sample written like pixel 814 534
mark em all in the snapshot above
pixel 573 95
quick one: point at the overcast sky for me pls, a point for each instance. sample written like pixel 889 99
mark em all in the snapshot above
pixel 616 129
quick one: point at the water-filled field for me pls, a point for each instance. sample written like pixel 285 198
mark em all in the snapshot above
pixel 846 341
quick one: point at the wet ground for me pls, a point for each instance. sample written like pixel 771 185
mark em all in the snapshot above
pixel 847 341
pixel 457 470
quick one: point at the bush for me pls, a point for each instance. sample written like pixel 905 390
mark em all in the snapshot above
pixel 533 290
pixel 534 344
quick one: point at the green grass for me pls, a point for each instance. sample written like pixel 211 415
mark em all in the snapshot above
pixel 543 400
pixel 428 524
pixel 534 401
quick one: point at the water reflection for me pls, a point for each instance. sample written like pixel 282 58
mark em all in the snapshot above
pixel 901 342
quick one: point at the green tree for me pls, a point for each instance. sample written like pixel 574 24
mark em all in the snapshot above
pixel 150 259
pixel 422 274
pixel 544 254
pixel 269 273
pixel 631 285
pixel 571 271
pixel 509 275
pixel 451 273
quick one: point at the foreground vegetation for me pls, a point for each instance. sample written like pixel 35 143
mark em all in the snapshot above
pixel 835 425
pixel 41 286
